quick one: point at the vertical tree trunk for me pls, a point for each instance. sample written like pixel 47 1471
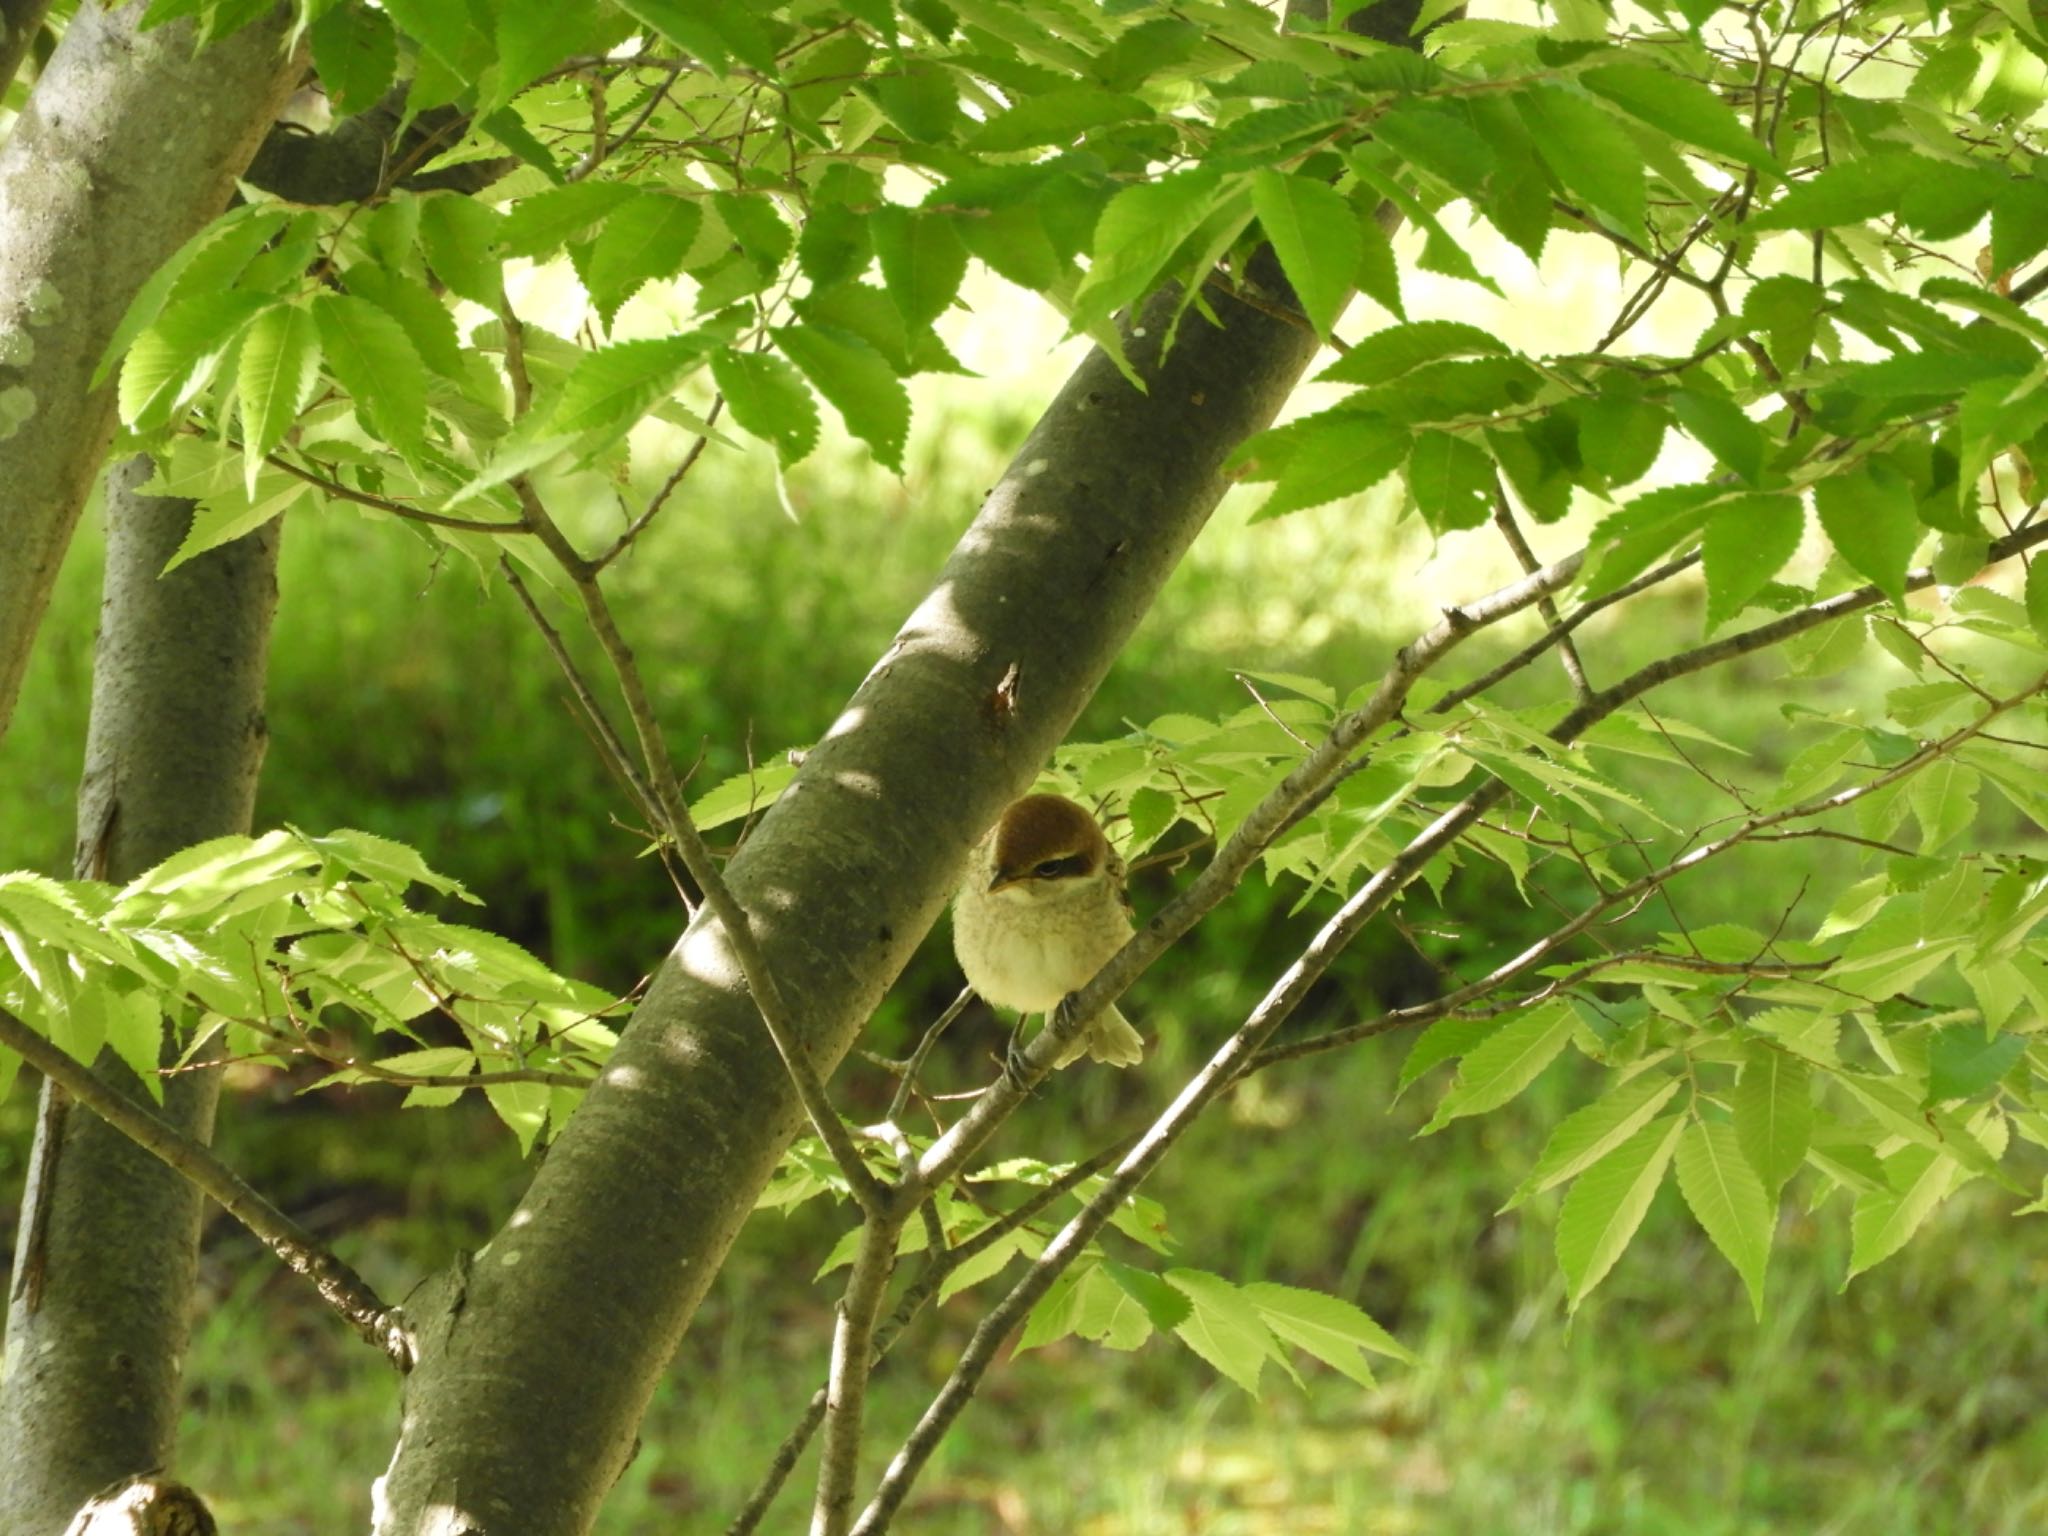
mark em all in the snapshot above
pixel 100 1303
pixel 127 146
pixel 537 1362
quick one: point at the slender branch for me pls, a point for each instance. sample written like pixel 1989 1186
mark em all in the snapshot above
pixel 342 492
pixel 638 526
pixel 1459 1003
pixel 1310 777
pixel 675 819
pixel 339 1286
pixel 938 1268
pixel 853 1343
pixel 1243 1049
pixel 1567 651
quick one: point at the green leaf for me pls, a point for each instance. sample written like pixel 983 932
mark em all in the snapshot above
pixel 1223 1326
pixel 644 241
pixel 1339 453
pixel 922 261
pixel 1585 1136
pixel 1748 539
pixel 369 353
pixel 1588 153
pixel 1681 107
pixel 1379 273
pixel 1137 234
pixel 280 364
pixel 355 53
pixel 1507 1062
pixel 522 1106
pixel 1327 1327
pixel 1847 192
pixel 1773 1114
pixel 1315 234
pixel 1398 349
pixel 1868 514
pixel 1607 1203
pixel 1054 117
pixel 854 377
pixel 227 514
pixel 227 243
pixel 1724 430
pixel 1165 1307
pixel 1918 1179
pixel 172 360
pixel 613 387
pixel 1630 541
pixel 768 398
pixel 1444 1040
pixel 459 235
pixel 1944 795
pixel 1961 1063
pixel 541 224
pixel 1451 480
pixel 1729 1201
pixel 2037 595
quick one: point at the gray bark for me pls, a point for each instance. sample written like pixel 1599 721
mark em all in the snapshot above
pixel 101 1299
pixel 572 1312
pixel 127 146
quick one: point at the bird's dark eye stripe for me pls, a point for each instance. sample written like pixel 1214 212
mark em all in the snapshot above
pixel 1059 869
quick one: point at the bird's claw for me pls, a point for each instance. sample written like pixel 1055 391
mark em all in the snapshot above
pixel 1016 1068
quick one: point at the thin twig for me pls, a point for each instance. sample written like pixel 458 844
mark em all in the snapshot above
pixel 339 1286
pixel 1510 530
pixel 674 812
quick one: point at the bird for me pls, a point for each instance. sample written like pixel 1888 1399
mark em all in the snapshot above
pixel 1039 913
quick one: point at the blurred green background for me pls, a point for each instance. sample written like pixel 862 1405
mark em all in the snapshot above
pixel 411 699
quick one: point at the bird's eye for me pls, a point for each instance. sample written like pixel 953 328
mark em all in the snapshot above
pixel 1060 869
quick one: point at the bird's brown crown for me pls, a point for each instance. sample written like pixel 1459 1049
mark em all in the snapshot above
pixel 1047 837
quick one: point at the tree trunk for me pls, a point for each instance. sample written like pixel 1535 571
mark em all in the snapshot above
pixel 101 1300
pixel 126 147
pixel 538 1360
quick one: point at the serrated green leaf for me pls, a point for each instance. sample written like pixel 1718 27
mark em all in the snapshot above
pixel 1223 1327
pixel 1507 1062
pixel 228 243
pixel 1748 539
pixel 743 794
pixel 1944 795
pixel 1869 515
pixel 1054 117
pixel 1588 153
pixel 1315 234
pixel 539 225
pixel 922 261
pixel 1138 232
pixel 2037 595
pixel 279 365
pixel 614 387
pixel 1327 1327
pixel 1728 1200
pixel 1917 1179
pixel 376 362
pixel 1585 1136
pixel 1607 1202
pixel 1165 1307
pixel 1847 192
pixel 355 53
pixel 1451 480
pixel 460 236
pixel 173 360
pixel 768 398
pixel 643 241
pixel 1682 107
pixel 1339 453
pixel 1773 1114
pixel 851 374
pixel 1961 1063
pixel 1445 1039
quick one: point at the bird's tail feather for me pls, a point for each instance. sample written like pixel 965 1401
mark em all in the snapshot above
pixel 1108 1038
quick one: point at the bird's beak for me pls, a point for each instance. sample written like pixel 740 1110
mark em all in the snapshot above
pixel 1002 881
